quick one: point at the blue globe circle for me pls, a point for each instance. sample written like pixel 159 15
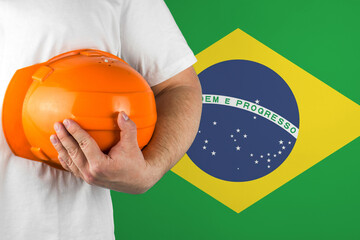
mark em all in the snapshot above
pixel 237 145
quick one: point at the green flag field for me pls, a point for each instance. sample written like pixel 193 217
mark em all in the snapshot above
pixel 323 39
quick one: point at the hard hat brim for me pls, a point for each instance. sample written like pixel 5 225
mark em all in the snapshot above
pixel 12 113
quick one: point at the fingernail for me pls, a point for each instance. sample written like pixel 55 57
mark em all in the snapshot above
pixel 53 139
pixel 66 123
pixel 56 127
pixel 60 159
pixel 125 116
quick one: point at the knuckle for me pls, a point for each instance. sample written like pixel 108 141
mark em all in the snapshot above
pixel 64 158
pixel 63 163
pixel 95 170
pixel 59 148
pixel 73 152
pixel 90 179
pixel 68 162
pixel 84 143
pixel 62 137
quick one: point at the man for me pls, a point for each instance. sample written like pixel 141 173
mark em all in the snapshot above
pixel 41 202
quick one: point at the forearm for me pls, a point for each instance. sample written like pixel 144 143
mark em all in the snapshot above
pixel 179 112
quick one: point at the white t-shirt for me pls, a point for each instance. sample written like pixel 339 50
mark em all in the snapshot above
pixel 40 202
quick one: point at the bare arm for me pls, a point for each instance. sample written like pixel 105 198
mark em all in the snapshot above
pixel 179 104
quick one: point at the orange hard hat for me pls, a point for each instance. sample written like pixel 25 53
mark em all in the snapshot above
pixel 89 86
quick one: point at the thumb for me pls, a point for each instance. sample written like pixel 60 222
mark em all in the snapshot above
pixel 128 131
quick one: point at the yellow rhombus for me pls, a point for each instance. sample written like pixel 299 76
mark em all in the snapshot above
pixel 328 121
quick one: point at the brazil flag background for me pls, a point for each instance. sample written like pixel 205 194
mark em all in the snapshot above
pixel 322 38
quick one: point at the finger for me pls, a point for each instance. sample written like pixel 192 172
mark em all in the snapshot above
pixel 77 157
pixel 128 135
pixel 87 144
pixel 64 157
pixel 128 131
pixel 63 164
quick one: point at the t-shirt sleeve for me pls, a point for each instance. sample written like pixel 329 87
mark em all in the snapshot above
pixel 151 41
